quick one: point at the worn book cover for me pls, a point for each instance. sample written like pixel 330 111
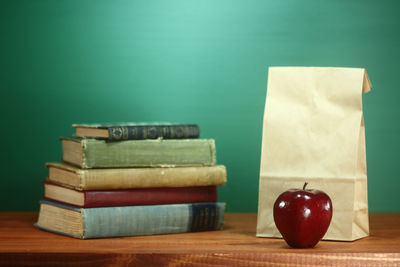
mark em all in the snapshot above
pixel 123 178
pixel 103 222
pixel 129 197
pixel 92 153
pixel 135 131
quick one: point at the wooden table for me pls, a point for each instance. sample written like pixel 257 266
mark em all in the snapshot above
pixel 236 245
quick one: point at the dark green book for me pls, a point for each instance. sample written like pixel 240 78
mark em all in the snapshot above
pixel 137 131
pixel 93 153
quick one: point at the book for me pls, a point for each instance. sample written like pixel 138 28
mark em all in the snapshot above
pixel 122 178
pixel 135 131
pixel 87 223
pixel 92 153
pixel 129 197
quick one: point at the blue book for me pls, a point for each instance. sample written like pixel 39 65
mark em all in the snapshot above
pixel 103 222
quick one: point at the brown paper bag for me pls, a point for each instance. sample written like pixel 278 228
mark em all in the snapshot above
pixel 314 132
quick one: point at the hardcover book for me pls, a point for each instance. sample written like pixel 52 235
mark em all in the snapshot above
pixel 135 131
pixel 129 197
pixel 123 178
pixel 93 153
pixel 87 223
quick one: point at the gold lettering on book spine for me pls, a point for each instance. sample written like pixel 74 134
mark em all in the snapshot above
pixel 180 132
pixel 152 133
pixel 125 133
pixel 172 132
pixel 134 133
pixel 119 133
pixel 201 219
pixel 206 217
pixel 165 132
pixel 195 223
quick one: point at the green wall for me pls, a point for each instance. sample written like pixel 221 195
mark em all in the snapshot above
pixel 64 62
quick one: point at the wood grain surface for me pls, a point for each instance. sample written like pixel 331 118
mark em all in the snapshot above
pixel 21 244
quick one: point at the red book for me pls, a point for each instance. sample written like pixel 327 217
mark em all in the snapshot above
pixel 129 197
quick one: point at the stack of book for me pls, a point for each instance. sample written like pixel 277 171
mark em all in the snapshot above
pixel 133 179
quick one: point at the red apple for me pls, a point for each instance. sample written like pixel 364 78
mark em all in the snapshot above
pixel 302 216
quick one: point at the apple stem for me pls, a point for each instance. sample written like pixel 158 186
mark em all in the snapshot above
pixel 304 186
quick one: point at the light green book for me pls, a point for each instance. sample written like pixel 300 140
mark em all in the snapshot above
pixel 93 153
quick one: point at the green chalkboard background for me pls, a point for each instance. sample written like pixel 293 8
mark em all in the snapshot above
pixel 205 62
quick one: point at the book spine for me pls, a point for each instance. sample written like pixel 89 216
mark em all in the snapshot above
pixel 97 179
pixel 153 132
pixel 148 153
pixel 153 219
pixel 150 196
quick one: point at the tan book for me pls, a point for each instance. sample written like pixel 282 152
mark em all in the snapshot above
pixel 120 178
